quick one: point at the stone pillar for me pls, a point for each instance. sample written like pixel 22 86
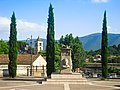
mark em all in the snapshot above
pixel 66 61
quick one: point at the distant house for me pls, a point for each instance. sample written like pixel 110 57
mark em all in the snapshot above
pixel 97 57
pixel 93 58
pixel 24 65
pixel 39 66
pixel 40 61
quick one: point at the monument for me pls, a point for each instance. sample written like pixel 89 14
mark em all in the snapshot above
pixel 66 61
pixel 66 65
pixel 65 75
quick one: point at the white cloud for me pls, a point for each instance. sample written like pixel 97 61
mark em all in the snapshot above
pixel 29 26
pixel 109 29
pixel 23 27
pixel 4 24
pixel 100 1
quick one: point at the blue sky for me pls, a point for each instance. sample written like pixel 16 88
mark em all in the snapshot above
pixel 79 17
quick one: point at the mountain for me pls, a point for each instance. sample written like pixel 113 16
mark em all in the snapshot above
pixel 93 41
pixel 90 42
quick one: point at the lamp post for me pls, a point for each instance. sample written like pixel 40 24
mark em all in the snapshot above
pixel 30 55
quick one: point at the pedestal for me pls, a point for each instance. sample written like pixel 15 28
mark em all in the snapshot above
pixel 66 71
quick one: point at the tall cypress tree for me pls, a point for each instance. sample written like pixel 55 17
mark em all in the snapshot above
pixel 104 48
pixel 13 52
pixel 50 49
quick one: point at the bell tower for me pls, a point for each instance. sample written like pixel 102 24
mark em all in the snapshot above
pixel 38 46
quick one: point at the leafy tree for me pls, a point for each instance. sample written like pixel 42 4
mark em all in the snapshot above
pixel 78 54
pixel 3 47
pixel 114 60
pixel 91 59
pixel 21 46
pixel 13 50
pixel 50 49
pixel 112 50
pixel 75 56
pixel 43 53
pixel 113 70
pixel 104 49
pixel 66 40
pixel 91 52
pixel 57 57
pixel 71 40
pixel 29 50
pixel 119 47
pixel 61 41
pixel 76 40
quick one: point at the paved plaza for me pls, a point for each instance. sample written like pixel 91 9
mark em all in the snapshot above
pixel 33 84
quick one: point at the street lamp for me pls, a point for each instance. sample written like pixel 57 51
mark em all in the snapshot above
pixel 30 54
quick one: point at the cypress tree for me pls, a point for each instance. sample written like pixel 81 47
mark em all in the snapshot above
pixel 104 48
pixel 50 49
pixel 13 52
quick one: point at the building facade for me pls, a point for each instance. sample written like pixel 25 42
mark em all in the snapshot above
pixel 38 45
pixel 24 65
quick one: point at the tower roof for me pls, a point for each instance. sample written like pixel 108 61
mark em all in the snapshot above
pixel 39 39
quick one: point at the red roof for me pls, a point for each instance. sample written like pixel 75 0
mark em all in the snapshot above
pixel 23 59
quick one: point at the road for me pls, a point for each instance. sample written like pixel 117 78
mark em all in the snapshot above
pixel 93 84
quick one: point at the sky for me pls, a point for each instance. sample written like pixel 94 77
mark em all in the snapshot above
pixel 79 17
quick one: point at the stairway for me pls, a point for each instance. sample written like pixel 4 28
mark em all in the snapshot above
pixel 74 78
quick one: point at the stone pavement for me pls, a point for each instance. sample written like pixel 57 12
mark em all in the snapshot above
pixel 32 84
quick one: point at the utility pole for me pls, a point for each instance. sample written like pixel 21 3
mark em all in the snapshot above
pixel 31 55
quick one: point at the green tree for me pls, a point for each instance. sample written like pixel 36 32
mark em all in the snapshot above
pixel 57 57
pixel 78 54
pixel 71 40
pixel 21 46
pixel 42 53
pixel 104 49
pixel 29 50
pixel 91 59
pixel 118 49
pixel 118 46
pixel 50 49
pixel 61 41
pixel 3 47
pixel 13 48
pixel 66 40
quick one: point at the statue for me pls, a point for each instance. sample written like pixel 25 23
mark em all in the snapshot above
pixel 66 61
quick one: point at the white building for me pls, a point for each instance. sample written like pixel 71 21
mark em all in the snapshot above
pixel 40 61
pixel 24 65
pixel 38 46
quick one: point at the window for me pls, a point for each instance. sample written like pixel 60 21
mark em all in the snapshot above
pixel 40 44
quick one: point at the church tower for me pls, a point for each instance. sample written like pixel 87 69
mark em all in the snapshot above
pixel 38 46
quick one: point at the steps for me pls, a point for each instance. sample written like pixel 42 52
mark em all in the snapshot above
pixel 74 75
pixel 66 78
